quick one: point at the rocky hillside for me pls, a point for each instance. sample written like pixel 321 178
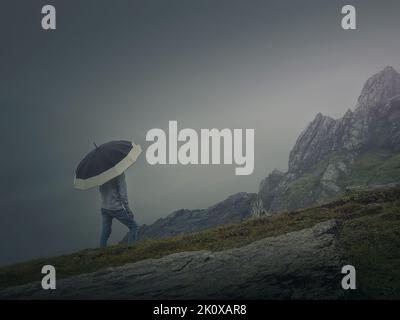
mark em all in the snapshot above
pixel 294 254
pixel 361 149
pixel 266 269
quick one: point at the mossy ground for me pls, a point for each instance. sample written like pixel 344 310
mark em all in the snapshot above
pixel 370 237
pixel 376 167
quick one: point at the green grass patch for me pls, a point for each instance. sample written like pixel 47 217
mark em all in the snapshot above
pixel 301 187
pixel 374 168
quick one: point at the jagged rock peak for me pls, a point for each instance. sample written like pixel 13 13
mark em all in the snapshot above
pixel 379 88
pixel 325 134
pixel 326 152
pixel 313 142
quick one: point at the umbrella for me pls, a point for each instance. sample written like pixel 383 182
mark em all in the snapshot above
pixel 105 162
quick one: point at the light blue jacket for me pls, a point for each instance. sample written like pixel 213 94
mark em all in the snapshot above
pixel 114 194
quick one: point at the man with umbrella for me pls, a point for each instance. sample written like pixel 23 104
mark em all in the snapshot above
pixel 104 167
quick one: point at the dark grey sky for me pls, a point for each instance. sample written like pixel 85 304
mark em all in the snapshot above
pixel 115 69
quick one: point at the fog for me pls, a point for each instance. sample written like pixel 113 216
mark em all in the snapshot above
pixel 115 70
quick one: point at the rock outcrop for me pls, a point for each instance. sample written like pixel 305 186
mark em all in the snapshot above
pixel 376 105
pixel 304 264
pixel 234 209
pixel 326 152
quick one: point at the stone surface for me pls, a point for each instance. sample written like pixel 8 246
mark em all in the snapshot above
pixel 305 264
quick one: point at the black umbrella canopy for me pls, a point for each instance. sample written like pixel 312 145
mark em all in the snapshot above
pixel 105 162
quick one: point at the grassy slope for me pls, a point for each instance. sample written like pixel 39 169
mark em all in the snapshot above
pixel 370 237
pixel 375 167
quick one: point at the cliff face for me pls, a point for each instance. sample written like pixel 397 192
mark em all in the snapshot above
pixel 329 151
pixel 375 111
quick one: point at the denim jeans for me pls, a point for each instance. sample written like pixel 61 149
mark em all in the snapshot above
pixel 123 217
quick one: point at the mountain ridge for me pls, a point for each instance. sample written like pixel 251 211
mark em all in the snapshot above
pixel 233 209
pixel 328 150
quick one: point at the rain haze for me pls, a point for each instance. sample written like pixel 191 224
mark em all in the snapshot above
pixel 116 69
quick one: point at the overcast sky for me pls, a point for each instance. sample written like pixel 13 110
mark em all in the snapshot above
pixel 116 69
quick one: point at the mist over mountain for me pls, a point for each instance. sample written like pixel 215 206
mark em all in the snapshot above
pixel 359 150
pixel 288 255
